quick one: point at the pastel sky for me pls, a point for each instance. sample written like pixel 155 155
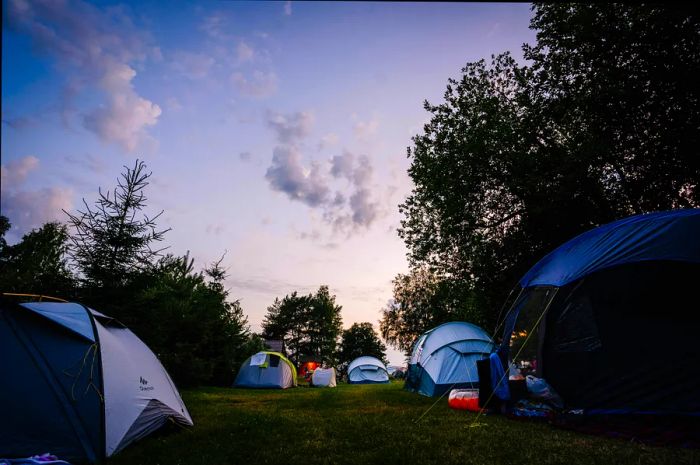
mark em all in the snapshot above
pixel 276 131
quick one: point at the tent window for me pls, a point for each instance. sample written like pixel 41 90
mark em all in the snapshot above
pixel 274 361
pixel 576 329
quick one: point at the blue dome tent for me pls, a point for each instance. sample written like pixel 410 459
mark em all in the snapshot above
pixel 445 357
pixel 77 383
pixel 367 370
pixel 617 314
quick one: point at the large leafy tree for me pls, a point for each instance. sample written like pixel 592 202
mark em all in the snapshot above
pixel 360 339
pixel 422 300
pixel 310 325
pixel 602 122
pixel 38 263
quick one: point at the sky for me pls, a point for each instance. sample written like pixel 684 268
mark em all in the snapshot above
pixel 276 131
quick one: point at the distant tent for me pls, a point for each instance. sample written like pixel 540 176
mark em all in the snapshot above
pixel 77 383
pixel 323 377
pixel 367 370
pixel 618 317
pixel 267 370
pixel 445 357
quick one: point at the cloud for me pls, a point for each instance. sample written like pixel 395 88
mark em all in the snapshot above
pixel 127 115
pixel 287 174
pixel 327 141
pixel 213 26
pixel 28 210
pixel 342 165
pixel 365 129
pixel 95 48
pixel 245 156
pixel 15 172
pixel 290 128
pixel 192 65
pixel 244 52
pixel 260 85
pixel 288 8
pixel 364 210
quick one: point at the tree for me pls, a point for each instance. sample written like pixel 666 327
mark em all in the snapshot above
pixel 37 264
pixel 422 300
pixel 113 241
pixel 309 325
pixel 186 318
pixel 359 340
pixel 601 123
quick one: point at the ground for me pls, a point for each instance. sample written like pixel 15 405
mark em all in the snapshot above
pixel 356 424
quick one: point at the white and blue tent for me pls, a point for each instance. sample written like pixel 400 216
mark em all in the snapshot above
pixel 77 383
pixel 445 357
pixel 367 370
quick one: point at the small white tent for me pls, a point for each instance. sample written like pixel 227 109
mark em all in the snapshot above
pixel 323 377
pixel 367 370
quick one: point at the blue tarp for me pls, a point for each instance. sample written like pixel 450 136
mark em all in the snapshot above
pixel 671 235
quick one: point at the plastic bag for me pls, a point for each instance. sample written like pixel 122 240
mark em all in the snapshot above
pixel 541 390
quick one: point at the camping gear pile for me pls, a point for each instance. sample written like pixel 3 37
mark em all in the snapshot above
pixel 78 383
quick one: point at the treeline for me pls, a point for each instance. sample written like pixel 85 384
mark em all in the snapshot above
pixel 310 327
pixel 110 256
pixel 602 121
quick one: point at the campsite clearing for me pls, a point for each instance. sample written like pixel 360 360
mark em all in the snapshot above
pixel 355 424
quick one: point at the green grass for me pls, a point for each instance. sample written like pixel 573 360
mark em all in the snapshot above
pixel 369 424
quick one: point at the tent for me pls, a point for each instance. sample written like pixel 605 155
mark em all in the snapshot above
pixel 323 377
pixel 266 370
pixel 445 358
pixel 77 383
pixel 617 317
pixel 367 370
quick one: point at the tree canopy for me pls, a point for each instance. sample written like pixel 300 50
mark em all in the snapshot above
pixel 309 325
pixel 360 339
pixel 601 122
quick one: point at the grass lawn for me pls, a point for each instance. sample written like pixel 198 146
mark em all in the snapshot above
pixel 355 424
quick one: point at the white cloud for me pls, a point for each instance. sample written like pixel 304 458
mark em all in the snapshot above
pixel 127 115
pixel 192 65
pixel 287 174
pixel 95 48
pixel 28 210
pixel 327 141
pixel 292 127
pixel 260 85
pixel 15 172
pixel 366 129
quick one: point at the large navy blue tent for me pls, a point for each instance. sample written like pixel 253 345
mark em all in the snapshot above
pixel 77 383
pixel 618 315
